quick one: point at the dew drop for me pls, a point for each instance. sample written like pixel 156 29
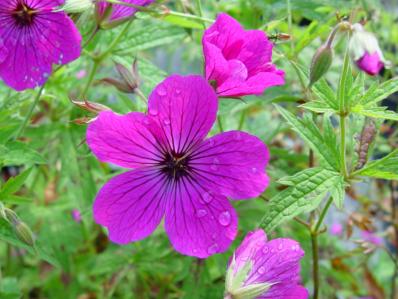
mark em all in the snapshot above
pixel 153 111
pixel 280 246
pixel 224 218
pixel 254 169
pixel 178 91
pixel 211 142
pixel 214 166
pixel 265 249
pixel 207 197
pixel 261 270
pixel 212 249
pixel 214 236
pixel 166 121
pixel 201 213
pixel 161 91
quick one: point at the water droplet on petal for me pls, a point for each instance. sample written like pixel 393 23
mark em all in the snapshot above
pixel 280 246
pixel 214 166
pixel 207 197
pixel 201 213
pixel 178 91
pixel 254 169
pixel 265 249
pixel 212 249
pixel 166 122
pixel 211 142
pixel 261 270
pixel 224 218
pixel 153 111
pixel 161 90
pixel 214 236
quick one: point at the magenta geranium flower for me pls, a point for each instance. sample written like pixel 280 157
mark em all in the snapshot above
pixel 177 173
pixel 265 269
pixel 33 37
pixel 238 61
pixel 114 14
pixel 365 51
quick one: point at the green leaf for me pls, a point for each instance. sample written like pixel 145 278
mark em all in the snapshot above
pixel 18 153
pixel 318 107
pixel 181 21
pixel 14 183
pixel 9 288
pixel 149 36
pixel 385 168
pixel 375 112
pixel 307 189
pixel 378 92
pixel 324 145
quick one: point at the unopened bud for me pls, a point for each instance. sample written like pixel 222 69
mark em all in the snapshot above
pixel 320 63
pixel 84 120
pixel 21 230
pixel 24 234
pixel 91 106
pixel 77 6
pixel 129 79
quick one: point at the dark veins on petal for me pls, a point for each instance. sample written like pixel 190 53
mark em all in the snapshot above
pixel 23 14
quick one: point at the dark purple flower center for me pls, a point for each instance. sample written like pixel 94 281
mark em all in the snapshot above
pixel 175 166
pixel 23 14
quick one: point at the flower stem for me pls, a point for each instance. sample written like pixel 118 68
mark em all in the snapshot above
pixel 315 264
pixel 343 145
pixel 219 123
pixel 30 112
pixel 90 78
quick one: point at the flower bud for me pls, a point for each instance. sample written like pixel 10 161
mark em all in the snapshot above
pixel 365 51
pixel 91 106
pixel 129 79
pixel 77 6
pixel 21 230
pixel 367 136
pixel 23 233
pixel 321 63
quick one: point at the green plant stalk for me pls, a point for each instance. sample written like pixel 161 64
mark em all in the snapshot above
pixel 199 5
pixel 219 123
pixel 290 25
pixel 343 145
pixel 30 112
pixel 315 264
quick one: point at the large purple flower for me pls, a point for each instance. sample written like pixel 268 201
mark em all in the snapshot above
pixel 33 37
pixel 265 269
pixel 238 61
pixel 113 14
pixel 177 172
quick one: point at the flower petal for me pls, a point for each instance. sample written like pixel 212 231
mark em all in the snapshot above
pixel 122 11
pixel 292 292
pixel 52 38
pixel 198 223
pixel 131 205
pixel 233 164
pixel 125 140
pixel 185 108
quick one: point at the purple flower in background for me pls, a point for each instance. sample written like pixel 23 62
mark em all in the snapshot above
pixel 111 15
pixel 371 237
pixel 76 215
pixel 336 229
pixel 33 37
pixel 178 173
pixel 238 61
pixel 265 269
pixel 365 51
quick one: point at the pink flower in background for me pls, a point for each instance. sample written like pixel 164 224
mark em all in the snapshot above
pixel 76 215
pixel 178 173
pixel 265 269
pixel 118 13
pixel 33 37
pixel 336 229
pixel 238 61
pixel 365 51
pixel 371 237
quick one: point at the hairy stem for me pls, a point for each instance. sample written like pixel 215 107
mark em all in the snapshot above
pixel 315 264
